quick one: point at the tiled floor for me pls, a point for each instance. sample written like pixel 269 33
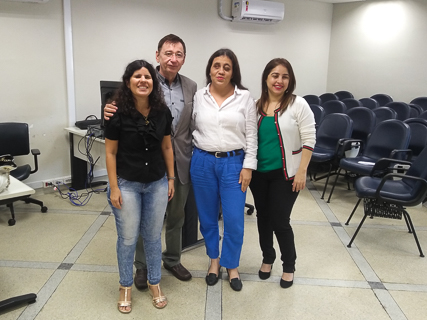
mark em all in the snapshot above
pixel 67 256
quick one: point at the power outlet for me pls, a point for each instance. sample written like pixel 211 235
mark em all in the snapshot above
pixel 52 183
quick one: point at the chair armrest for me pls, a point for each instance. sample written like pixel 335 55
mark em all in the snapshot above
pixel 345 144
pixel 412 202
pixel 383 165
pixel 35 153
pixel 405 154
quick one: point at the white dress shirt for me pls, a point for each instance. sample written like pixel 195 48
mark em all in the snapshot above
pixel 231 126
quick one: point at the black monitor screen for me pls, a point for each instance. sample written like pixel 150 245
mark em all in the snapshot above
pixel 108 90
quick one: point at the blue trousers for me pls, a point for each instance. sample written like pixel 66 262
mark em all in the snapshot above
pixel 216 181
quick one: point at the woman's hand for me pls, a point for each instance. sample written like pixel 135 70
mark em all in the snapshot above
pixel 299 181
pixel 116 198
pixel 171 189
pixel 245 178
pixel 109 110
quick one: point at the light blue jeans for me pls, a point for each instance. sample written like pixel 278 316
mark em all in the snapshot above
pixel 142 213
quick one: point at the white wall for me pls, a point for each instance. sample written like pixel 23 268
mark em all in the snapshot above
pixel 108 34
pixel 379 47
pixel 32 80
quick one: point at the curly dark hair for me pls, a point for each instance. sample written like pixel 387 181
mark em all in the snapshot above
pixel 236 77
pixel 124 97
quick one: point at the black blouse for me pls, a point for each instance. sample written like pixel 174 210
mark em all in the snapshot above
pixel 139 155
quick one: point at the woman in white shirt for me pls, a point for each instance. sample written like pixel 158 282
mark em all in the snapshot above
pixel 225 139
pixel 286 138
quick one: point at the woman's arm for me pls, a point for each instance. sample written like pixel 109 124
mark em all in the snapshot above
pixel 111 147
pixel 168 156
pixel 301 175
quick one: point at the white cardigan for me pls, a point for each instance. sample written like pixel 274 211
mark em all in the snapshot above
pixel 296 130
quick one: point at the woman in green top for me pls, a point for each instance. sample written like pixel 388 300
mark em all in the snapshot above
pixel 286 138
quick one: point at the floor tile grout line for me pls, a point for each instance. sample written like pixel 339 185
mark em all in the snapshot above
pixel 383 295
pixel 44 294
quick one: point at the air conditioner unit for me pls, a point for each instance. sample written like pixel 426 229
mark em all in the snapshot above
pixel 257 11
pixel 35 1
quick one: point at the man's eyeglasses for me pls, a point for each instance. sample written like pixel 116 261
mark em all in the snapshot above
pixel 170 54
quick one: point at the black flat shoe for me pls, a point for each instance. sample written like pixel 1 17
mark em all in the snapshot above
pixel 235 283
pixel 286 284
pixel 212 279
pixel 264 275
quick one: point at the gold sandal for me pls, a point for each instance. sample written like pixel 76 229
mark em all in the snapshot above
pixel 160 298
pixel 126 302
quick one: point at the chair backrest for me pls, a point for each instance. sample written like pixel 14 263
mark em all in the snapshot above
pixel 414 110
pixel 332 128
pixel 421 101
pixel 387 136
pixel 312 99
pixel 363 123
pixel 14 138
pixel 423 115
pixel 384 113
pixel 418 135
pixel 382 98
pixel 417 169
pixel 334 106
pixel 351 103
pixel 319 113
pixel 369 103
pixel 344 94
pixel 328 97
pixel 402 109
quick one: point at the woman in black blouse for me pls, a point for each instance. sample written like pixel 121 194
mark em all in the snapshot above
pixel 139 153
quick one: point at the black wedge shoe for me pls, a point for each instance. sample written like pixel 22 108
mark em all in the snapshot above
pixel 265 275
pixel 235 283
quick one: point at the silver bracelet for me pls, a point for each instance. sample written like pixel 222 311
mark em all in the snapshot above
pixel 171 178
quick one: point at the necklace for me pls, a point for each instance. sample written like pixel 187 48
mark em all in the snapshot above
pixel 268 112
pixel 146 120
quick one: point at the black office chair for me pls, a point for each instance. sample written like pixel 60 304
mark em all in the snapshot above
pixel 402 109
pixel 327 153
pixel 334 106
pixel 351 103
pixel 421 101
pixel 319 113
pixel 418 139
pixel 382 98
pixel 364 121
pixel 387 197
pixel 423 115
pixel 343 94
pixel 384 113
pixel 387 136
pixel 327 97
pixel 15 140
pixel 312 99
pixel 415 110
pixel 369 103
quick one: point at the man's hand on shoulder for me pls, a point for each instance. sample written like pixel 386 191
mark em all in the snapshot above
pixel 109 110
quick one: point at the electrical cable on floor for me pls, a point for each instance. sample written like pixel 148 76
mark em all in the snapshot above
pixel 72 194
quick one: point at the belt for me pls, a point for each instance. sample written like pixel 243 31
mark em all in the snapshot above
pixel 219 154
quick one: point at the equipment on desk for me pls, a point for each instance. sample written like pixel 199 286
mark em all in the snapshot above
pixel 15 140
pixel 6 166
pixel 91 120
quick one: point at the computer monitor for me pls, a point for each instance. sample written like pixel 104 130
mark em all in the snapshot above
pixel 108 90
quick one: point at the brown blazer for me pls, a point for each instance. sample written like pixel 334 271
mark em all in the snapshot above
pixel 182 138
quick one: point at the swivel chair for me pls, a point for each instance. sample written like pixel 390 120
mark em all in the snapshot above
pixel 334 106
pixel 319 113
pixel 328 97
pixel 382 98
pixel 415 110
pixel 312 99
pixel 343 94
pixel 15 140
pixel 384 113
pixel 402 109
pixel 351 103
pixel 369 103
pixel 421 101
